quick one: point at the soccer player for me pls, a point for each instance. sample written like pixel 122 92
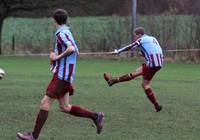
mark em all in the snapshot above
pixel 153 54
pixel 63 61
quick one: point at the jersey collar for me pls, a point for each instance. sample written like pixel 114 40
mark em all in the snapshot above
pixel 61 28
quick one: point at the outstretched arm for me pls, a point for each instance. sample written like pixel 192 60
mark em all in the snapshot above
pixel 126 48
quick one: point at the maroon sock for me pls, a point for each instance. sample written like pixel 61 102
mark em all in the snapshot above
pixel 126 77
pixel 41 119
pixel 81 112
pixel 151 97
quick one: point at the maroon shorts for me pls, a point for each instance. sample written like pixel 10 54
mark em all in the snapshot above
pixel 58 88
pixel 149 72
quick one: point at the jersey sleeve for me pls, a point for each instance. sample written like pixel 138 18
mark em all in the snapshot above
pixel 138 42
pixel 64 39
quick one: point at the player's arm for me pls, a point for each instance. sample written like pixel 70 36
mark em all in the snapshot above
pixel 66 53
pixel 68 45
pixel 126 48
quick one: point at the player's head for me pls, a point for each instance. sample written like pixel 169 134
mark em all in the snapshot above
pixel 138 32
pixel 60 16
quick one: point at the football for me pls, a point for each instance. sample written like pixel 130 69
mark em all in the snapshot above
pixel 2 73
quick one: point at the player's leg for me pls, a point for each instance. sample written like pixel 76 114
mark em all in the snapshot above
pixel 123 78
pixel 150 94
pixel 74 109
pixel 40 121
pixel 78 111
pixel 42 115
pixel 148 74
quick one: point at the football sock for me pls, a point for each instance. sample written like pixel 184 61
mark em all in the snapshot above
pixel 41 119
pixel 81 112
pixel 126 77
pixel 151 96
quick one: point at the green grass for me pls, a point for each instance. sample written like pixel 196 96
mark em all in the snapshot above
pixel 128 113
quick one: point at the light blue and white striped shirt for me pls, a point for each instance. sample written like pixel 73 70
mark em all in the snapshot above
pixel 65 67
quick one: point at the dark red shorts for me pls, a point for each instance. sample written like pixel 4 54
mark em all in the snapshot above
pixel 149 72
pixel 58 88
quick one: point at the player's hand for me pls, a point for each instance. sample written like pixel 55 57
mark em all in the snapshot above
pixel 53 57
pixel 115 52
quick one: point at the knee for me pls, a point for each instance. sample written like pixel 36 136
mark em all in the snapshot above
pixel 145 86
pixel 132 75
pixel 65 108
pixel 44 105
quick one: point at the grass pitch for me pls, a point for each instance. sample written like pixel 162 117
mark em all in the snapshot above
pixel 128 113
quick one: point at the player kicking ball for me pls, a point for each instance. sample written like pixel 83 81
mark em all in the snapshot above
pixel 153 54
pixel 63 61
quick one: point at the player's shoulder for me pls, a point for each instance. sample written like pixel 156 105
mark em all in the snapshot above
pixel 67 32
pixel 64 33
pixel 64 29
pixel 145 38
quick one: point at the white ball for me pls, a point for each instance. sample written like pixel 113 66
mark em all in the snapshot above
pixel 2 73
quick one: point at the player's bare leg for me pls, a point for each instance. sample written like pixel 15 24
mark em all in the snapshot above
pixel 127 77
pixel 150 94
pixel 81 112
pixel 40 121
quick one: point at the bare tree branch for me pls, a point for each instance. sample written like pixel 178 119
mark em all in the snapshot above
pixel 21 7
pixel 25 8
pixel 6 4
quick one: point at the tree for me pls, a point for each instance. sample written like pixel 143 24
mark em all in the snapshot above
pixel 24 8
pixel 149 7
pixel 10 7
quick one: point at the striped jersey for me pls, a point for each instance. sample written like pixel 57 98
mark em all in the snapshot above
pixel 151 50
pixel 65 67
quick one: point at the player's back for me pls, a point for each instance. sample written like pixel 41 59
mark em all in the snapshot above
pixel 65 67
pixel 152 50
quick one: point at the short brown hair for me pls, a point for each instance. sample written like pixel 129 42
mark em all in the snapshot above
pixel 60 16
pixel 139 30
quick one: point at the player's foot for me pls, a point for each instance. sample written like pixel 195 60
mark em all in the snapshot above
pixel 99 122
pixel 158 108
pixel 25 136
pixel 108 79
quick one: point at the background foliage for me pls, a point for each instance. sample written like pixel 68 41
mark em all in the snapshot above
pixel 101 25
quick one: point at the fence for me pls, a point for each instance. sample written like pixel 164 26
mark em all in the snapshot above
pixel 102 34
